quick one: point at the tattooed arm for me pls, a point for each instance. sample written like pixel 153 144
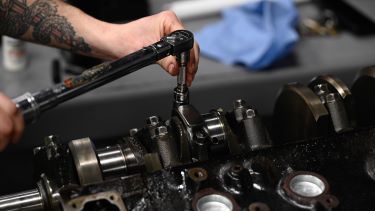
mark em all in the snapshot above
pixel 50 22
pixel 56 23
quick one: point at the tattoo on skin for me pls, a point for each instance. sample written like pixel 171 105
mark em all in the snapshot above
pixel 42 16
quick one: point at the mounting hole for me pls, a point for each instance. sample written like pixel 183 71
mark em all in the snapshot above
pixel 74 205
pixel 197 174
pixel 258 206
pixel 237 168
pixel 329 200
pixel 112 197
pixel 214 202
pixel 307 185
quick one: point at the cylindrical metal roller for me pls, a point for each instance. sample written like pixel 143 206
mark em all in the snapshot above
pixel 256 134
pixel 338 113
pixel 115 161
pixel 26 200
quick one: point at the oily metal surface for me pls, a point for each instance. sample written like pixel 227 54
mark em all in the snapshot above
pixel 363 90
pixel 298 114
pixel 343 160
pixel 334 84
pixel 85 161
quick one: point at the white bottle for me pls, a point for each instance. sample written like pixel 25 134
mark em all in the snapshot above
pixel 14 54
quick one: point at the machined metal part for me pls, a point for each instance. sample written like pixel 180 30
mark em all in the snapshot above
pixel 363 90
pixel 197 174
pixel 48 193
pixel 181 92
pixel 199 162
pixel 307 189
pixel 28 105
pixel 181 95
pixel 183 60
pixel 215 127
pixel 299 114
pixel 214 202
pixel 338 113
pixel 112 161
pixel 239 107
pixel 335 85
pixel 256 134
pixel 321 90
pixel 109 200
pixel 166 147
pixel 331 83
pixel 182 140
pixel 26 200
pixel 193 125
pixel 153 121
pixel 85 160
pixel 211 199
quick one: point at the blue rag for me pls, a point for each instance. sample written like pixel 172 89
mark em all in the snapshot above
pixel 254 34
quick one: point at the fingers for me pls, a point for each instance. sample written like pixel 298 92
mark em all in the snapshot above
pixel 171 23
pixel 6 129
pixel 193 64
pixel 170 65
pixel 19 126
pixel 11 122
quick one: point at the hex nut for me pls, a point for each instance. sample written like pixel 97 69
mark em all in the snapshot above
pixel 161 131
pixel 239 103
pixel 250 113
pixel 152 120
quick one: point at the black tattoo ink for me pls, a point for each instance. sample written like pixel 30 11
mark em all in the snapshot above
pixel 47 25
pixel 14 14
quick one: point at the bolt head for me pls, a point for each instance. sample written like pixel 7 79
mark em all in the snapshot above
pixel 161 131
pixel 331 98
pixel 239 103
pixel 133 131
pixel 321 89
pixel 152 120
pixel 250 113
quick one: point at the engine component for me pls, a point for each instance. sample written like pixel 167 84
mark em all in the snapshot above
pixel 85 160
pixel 218 160
pixel 307 190
pixel 363 91
pixel 324 107
pixel 213 161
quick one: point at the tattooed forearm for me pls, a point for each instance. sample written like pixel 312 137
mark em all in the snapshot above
pixel 13 16
pixel 42 17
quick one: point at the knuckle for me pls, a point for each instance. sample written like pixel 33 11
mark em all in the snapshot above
pixel 169 14
pixel 7 130
pixel 12 109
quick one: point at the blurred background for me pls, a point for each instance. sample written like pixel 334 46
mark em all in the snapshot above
pixel 249 50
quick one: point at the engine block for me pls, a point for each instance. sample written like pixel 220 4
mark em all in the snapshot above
pixel 317 153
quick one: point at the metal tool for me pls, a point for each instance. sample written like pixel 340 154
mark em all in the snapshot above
pixel 181 92
pixel 177 43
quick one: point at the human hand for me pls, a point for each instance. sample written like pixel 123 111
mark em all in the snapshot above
pixel 11 122
pixel 124 39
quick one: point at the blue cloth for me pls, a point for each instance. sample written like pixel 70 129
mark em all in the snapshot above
pixel 254 34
